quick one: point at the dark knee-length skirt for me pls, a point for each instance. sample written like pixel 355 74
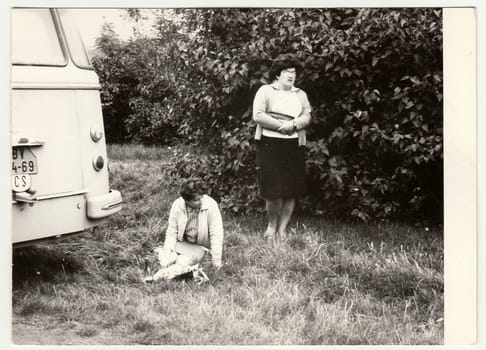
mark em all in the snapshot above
pixel 281 168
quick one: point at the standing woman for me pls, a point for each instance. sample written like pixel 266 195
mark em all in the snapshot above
pixel 281 112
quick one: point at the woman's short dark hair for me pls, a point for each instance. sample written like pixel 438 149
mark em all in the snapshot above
pixel 284 61
pixel 192 188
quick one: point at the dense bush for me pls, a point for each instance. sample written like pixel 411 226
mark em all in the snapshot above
pixel 374 79
pixel 136 81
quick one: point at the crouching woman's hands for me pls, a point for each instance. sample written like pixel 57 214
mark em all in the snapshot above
pixel 166 256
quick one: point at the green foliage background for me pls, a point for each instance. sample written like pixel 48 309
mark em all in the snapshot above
pixel 373 77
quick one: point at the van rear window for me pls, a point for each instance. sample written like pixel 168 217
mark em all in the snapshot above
pixel 76 46
pixel 34 38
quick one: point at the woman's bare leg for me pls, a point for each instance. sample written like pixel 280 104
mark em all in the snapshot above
pixel 288 205
pixel 273 208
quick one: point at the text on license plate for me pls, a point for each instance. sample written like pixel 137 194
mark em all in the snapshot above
pixel 24 161
pixel 21 183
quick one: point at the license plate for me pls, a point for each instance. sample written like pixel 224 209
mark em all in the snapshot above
pixel 24 161
pixel 21 183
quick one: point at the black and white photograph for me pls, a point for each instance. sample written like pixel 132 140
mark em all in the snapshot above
pixel 229 176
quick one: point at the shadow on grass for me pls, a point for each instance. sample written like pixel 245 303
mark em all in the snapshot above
pixel 40 264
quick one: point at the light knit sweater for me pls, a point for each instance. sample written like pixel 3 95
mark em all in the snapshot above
pixel 270 102
pixel 210 232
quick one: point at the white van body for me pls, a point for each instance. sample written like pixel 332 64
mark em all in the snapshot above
pixel 59 162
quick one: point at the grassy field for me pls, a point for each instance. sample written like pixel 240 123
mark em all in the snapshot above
pixel 328 283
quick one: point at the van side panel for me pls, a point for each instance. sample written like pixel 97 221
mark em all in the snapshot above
pixel 89 118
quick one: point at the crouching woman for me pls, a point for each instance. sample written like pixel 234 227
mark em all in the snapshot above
pixel 195 228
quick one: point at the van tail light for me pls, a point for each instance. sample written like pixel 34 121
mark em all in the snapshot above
pixel 98 162
pixel 96 134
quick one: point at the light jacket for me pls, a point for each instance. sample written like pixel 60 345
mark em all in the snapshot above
pixel 210 230
pixel 262 112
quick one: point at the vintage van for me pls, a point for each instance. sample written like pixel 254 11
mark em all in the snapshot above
pixel 59 162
